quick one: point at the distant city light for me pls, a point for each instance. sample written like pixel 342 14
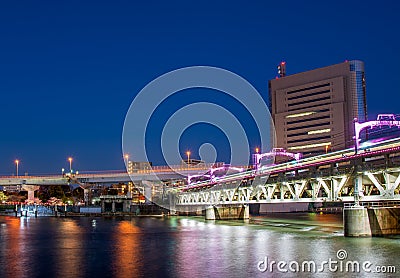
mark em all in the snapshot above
pixel 126 156
pixel 300 114
pixel 17 164
pixel 70 164
pixel 319 131
pixel 310 146
pixel 188 155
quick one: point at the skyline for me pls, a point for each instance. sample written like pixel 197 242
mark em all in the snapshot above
pixel 70 72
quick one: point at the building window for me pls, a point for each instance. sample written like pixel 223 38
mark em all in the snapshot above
pixel 309 95
pixel 308 126
pixel 309 139
pixel 307 89
pixel 309 120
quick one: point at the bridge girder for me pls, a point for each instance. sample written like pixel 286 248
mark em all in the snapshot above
pixel 376 185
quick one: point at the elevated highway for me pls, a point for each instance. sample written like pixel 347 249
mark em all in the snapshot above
pixel 107 177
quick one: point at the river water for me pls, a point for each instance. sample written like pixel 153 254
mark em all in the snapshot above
pixel 191 247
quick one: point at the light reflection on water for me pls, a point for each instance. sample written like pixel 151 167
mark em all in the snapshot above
pixel 178 247
pixel 127 260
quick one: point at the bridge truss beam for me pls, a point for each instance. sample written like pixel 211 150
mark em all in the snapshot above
pixel 378 185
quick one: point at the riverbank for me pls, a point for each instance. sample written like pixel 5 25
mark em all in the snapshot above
pixel 143 210
pixel 21 210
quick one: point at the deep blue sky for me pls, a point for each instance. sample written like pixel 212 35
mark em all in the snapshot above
pixel 69 70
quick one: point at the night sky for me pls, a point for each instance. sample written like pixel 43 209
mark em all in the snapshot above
pixel 70 70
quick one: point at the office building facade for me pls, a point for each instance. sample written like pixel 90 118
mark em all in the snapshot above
pixel 313 111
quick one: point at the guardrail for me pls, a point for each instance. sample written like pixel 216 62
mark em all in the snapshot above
pixel 153 169
pixel 376 204
pixel 32 177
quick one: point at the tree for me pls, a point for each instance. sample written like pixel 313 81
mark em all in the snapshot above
pixel 78 193
pixel 56 191
pixel 3 197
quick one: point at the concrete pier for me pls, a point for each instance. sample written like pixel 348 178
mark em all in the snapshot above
pixel 114 203
pixel 227 213
pixel 31 191
pixel 359 221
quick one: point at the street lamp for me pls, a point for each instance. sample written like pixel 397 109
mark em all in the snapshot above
pixel 70 164
pixel 255 156
pixel 126 156
pixel 62 171
pixel 17 164
pixel 355 136
pixel 188 155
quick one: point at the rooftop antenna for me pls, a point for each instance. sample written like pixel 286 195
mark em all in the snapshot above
pixel 282 69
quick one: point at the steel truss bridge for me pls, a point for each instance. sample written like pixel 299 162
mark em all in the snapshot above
pixel 372 174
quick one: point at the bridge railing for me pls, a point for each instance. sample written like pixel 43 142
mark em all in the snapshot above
pixel 31 177
pixel 375 204
pixel 111 173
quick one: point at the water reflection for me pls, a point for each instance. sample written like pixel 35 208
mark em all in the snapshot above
pixel 69 252
pixel 12 249
pixel 177 247
pixel 127 261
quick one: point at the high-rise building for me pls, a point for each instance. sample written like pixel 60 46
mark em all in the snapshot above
pixel 313 111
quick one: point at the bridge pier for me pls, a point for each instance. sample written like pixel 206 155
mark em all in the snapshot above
pixel 172 204
pixel 210 213
pixel 31 191
pixel 86 199
pixel 226 213
pixel 359 221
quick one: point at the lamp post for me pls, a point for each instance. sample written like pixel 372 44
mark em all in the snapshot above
pixel 70 164
pixel 355 120
pixel 126 157
pixel 17 165
pixel 255 163
pixel 188 155
pixel 62 171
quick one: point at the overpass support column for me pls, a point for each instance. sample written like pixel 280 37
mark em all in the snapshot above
pixel 31 191
pixel 148 191
pixel 86 196
pixel 112 206
pixel 210 213
pixel 172 203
